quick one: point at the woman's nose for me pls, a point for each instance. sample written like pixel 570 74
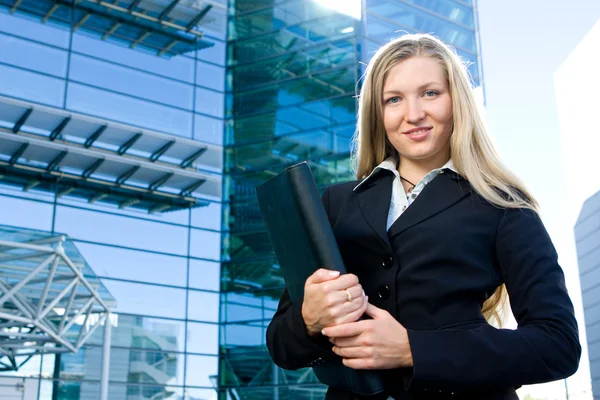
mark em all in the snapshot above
pixel 414 111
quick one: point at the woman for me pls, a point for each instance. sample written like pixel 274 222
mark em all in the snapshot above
pixel 433 233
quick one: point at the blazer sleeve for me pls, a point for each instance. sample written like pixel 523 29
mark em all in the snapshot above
pixel 288 341
pixel 544 347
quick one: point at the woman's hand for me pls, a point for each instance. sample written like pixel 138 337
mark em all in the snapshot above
pixel 378 343
pixel 326 301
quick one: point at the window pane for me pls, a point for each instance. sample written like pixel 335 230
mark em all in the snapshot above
pixel 202 371
pixel 25 213
pixel 112 262
pixel 205 275
pixel 143 332
pixel 129 110
pixel 203 306
pixel 202 338
pixel 32 29
pixel 126 365
pixel 31 86
pixel 208 129
pixel 214 54
pixel 27 54
pixel 205 244
pixel 210 76
pixel 181 68
pixel 210 102
pixel 130 82
pixel 243 335
pixel 208 217
pixel 144 299
pixel 122 231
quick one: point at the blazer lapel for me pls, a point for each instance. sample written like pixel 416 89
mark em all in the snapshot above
pixel 374 199
pixel 441 193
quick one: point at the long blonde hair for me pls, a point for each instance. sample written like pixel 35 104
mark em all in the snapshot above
pixel 471 149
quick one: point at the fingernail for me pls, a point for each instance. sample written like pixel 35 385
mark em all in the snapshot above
pixel 323 332
pixel 334 273
pixel 363 292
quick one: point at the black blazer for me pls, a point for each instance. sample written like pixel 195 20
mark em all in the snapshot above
pixel 433 270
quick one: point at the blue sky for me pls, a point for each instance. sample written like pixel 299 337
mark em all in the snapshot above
pixel 523 44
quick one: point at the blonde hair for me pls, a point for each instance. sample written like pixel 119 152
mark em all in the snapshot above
pixel 471 148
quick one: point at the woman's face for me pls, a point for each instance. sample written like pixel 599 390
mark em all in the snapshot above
pixel 417 110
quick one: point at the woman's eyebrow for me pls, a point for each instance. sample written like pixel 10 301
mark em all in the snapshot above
pixel 423 86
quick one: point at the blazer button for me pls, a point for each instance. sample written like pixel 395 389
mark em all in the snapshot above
pixel 383 292
pixel 388 262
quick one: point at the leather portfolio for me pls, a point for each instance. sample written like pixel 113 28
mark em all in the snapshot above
pixel 303 242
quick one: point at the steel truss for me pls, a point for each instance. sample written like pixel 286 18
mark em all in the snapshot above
pixel 49 303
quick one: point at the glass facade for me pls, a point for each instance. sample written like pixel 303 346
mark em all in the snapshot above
pixel 163 269
pixel 195 289
pixel 587 238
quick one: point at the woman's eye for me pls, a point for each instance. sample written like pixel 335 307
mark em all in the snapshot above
pixel 431 93
pixel 393 100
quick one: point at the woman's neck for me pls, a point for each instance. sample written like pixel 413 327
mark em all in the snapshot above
pixel 415 170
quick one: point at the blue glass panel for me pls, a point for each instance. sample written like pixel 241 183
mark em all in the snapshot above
pixel 400 18
pixel 129 110
pixel 210 102
pixel 121 231
pixel 32 29
pixel 236 312
pixel 126 365
pixel 201 371
pixel 127 81
pixel 208 217
pixel 35 56
pixel 205 275
pixel 208 129
pixel 180 217
pixel 205 244
pixel 452 10
pixel 145 299
pixel 243 335
pixel 31 86
pixel 181 68
pixel 112 262
pixel 203 306
pixel 210 76
pixel 143 332
pixel 215 54
pixel 25 213
pixel 202 338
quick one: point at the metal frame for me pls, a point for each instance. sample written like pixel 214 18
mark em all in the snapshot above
pixel 36 319
pixel 84 157
pixel 180 35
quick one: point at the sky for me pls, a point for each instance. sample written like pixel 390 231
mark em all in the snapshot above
pixel 523 44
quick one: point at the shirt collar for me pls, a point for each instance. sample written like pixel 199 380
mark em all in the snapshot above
pixel 390 164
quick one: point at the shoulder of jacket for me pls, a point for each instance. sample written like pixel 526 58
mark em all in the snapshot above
pixel 342 189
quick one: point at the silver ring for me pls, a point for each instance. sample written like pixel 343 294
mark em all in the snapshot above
pixel 348 294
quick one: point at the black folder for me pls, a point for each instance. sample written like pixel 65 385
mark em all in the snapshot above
pixel 303 242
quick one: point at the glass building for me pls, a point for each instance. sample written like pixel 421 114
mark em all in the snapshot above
pixel 140 129
pixel 587 238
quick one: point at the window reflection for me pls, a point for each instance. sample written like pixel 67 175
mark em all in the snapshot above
pixel 121 231
pixel 145 333
pixel 203 306
pixel 31 86
pixel 126 365
pixel 113 262
pixel 202 338
pixel 201 371
pixel 145 299
pixel 126 109
pixel 38 215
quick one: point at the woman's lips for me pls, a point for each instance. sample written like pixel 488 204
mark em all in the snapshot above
pixel 418 134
